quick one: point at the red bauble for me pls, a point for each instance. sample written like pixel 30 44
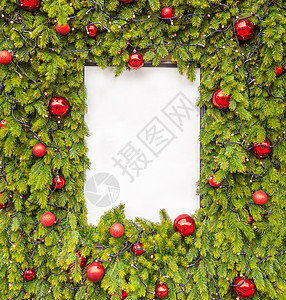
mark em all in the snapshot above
pixel 30 5
pixel 244 290
pixel 116 230
pixel 220 100
pixel 137 249
pixel 126 1
pixel 5 57
pixel 39 150
pixel 167 12
pixel 161 290
pixel 2 124
pixel 259 197
pixel 135 61
pixel 82 261
pixel 250 220
pixel 59 106
pixel 48 219
pixel 29 274
pixel 213 183
pixel 94 272
pixel 262 150
pixel 91 30
pixel 58 182
pixel 123 294
pixel 278 71
pixel 185 224
pixel 63 29
pixel 244 30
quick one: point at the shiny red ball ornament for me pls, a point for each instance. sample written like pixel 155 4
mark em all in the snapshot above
pixel 161 290
pixel 262 150
pixel 126 1
pixel 63 29
pixel 39 150
pixel 244 30
pixel 29 274
pixel 30 5
pixel 137 249
pixel 2 124
pixel 5 57
pixel 123 294
pixel 135 61
pixel 278 71
pixel 259 197
pixel 91 30
pixel 95 272
pixel 58 182
pixel 220 100
pixel 185 224
pixel 167 12
pixel 48 219
pixel 117 230
pixel 250 220
pixel 244 289
pixel 59 106
pixel 82 261
pixel 213 183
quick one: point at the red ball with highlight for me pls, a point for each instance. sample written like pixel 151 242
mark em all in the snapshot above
pixel 59 106
pixel 259 197
pixel 213 183
pixel 63 29
pixel 220 100
pixel 135 61
pixel 161 291
pixel 117 230
pixel 48 219
pixel 5 57
pixel 167 12
pixel 39 150
pixel 29 274
pixel 58 182
pixel 244 30
pixel 95 272
pixel 91 30
pixel 262 150
pixel 137 249
pixel 30 5
pixel 244 289
pixel 185 224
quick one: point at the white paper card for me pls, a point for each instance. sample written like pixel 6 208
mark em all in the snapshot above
pixel 144 142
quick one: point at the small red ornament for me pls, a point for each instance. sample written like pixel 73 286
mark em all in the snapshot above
pixel 262 150
pixel 82 261
pixel 137 249
pixel 167 12
pixel 30 5
pixel 126 1
pixel 58 182
pixel 161 290
pixel 29 274
pixel 116 230
pixel 5 57
pixel 63 29
pixel 244 289
pixel 39 150
pixel 59 106
pixel 123 294
pixel 2 124
pixel 244 30
pixel 48 219
pixel 278 71
pixel 259 197
pixel 135 61
pixel 213 183
pixel 185 224
pixel 95 272
pixel 250 220
pixel 220 100
pixel 91 30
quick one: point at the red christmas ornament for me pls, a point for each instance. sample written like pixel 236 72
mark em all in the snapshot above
pixel 116 230
pixel 259 197
pixel 30 5
pixel 91 30
pixel 220 100
pixel 58 182
pixel 29 274
pixel 278 71
pixel 123 294
pixel 59 106
pixel 63 29
pixel 161 290
pixel 250 220
pixel 213 183
pixel 39 150
pixel 135 61
pixel 167 12
pixel 137 249
pixel 262 150
pixel 94 272
pixel 244 289
pixel 126 1
pixel 2 124
pixel 5 57
pixel 48 219
pixel 185 224
pixel 82 261
pixel 244 29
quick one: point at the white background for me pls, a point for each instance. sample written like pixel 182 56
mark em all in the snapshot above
pixel 119 108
